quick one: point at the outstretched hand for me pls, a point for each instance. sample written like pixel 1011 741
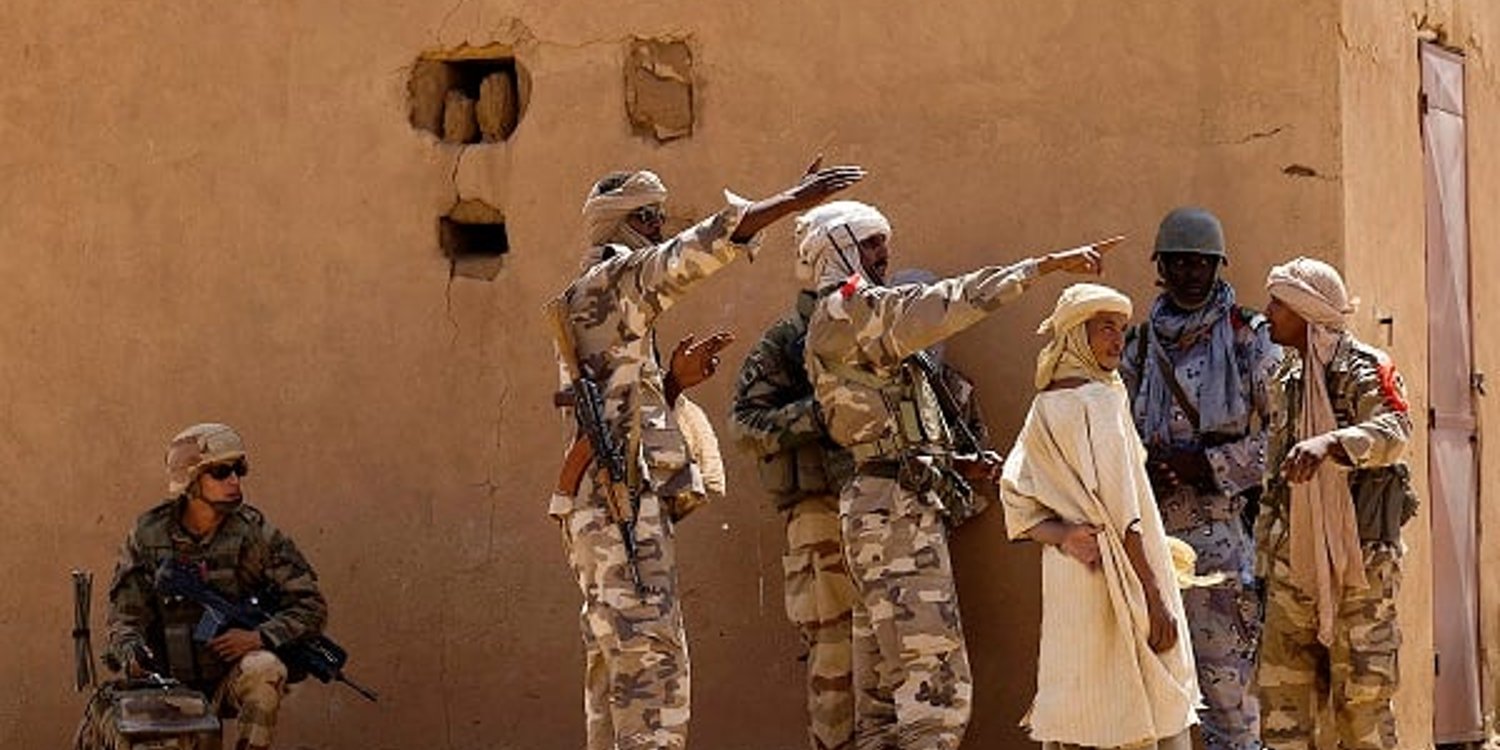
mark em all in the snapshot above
pixel 817 185
pixel 696 361
pixel 1088 259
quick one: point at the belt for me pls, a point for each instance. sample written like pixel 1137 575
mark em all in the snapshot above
pixel 882 469
pixel 874 450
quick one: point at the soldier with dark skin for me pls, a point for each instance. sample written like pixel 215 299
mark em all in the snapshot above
pixel 1197 370
pixel 636 675
pixel 1329 533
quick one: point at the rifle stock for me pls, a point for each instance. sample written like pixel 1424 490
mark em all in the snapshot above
pixel 594 441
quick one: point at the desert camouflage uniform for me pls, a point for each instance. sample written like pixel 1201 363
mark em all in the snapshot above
pixel 246 556
pixel 912 679
pixel 776 416
pixel 1224 620
pixel 636 676
pixel 1358 672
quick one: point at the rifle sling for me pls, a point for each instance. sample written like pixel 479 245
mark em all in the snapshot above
pixel 1178 393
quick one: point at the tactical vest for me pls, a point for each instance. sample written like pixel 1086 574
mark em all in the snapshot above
pixel 171 636
pixel 918 452
pixel 813 468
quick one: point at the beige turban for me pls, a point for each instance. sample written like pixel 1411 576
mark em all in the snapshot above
pixel 604 211
pixel 839 224
pixel 1324 534
pixel 1068 354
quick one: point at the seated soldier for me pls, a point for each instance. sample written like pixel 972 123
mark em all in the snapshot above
pixel 237 553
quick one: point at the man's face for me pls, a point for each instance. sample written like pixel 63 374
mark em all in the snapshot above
pixel 1106 333
pixel 647 221
pixel 874 256
pixel 1287 327
pixel 219 484
pixel 1188 277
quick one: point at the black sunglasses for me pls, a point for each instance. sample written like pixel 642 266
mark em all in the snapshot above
pixel 221 472
pixel 649 214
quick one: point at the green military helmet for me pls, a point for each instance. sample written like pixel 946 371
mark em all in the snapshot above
pixel 197 447
pixel 1189 229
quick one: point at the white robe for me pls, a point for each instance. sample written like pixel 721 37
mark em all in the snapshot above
pixel 1078 458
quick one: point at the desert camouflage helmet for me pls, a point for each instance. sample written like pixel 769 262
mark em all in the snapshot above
pixel 197 447
pixel 1190 229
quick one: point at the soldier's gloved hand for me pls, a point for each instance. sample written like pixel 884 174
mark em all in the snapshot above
pixel 139 661
pixel 979 468
pixel 233 644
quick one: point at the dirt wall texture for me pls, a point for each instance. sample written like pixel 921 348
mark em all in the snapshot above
pixel 224 212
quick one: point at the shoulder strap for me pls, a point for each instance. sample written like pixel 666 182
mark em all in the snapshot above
pixel 1178 394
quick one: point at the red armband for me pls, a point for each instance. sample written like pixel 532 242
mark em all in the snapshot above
pixel 1389 388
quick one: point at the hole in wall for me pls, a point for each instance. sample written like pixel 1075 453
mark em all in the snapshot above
pixel 474 239
pixel 468 95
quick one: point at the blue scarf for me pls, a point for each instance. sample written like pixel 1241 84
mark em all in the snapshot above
pixel 1222 407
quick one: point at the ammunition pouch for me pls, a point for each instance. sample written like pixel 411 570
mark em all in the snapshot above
pixel 813 468
pixel 956 499
pixel 1383 502
pixel 923 474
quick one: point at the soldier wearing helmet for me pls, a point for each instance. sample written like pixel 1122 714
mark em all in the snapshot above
pixel 204 521
pixel 1197 370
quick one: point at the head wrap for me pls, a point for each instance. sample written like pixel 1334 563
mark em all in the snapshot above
pixel 1324 535
pixel 1068 354
pixel 605 210
pixel 828 239
pixel 1314 290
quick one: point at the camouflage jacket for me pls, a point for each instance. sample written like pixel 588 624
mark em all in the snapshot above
pixel 612 308
pixel 776 417
pixel 1369 405
pixel 1238 464
pixel 246 556
pixel 860 334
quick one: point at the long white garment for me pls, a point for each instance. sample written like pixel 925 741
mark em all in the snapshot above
pixel 1078 458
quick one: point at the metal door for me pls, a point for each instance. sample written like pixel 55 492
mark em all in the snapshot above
pixel 1451 418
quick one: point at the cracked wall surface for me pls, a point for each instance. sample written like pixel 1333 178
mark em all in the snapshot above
pixel 265 253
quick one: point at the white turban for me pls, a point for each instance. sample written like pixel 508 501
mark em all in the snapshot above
pixel 842 224
pixel 1313 289
pixel 1324 534
pixel 604 211
pixel 1068 353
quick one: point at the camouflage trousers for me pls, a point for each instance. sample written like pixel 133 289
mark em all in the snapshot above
pixel 913 688
pixel 1224 621
pixel 636 677
pixel 1358 672
pixel 820 602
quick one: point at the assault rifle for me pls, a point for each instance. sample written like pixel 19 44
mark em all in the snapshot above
pixel 315 655
pixel 969 450
pixel 594 441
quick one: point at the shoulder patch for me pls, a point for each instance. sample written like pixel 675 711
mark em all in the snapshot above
pixel 850 286
pixel 1390 386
